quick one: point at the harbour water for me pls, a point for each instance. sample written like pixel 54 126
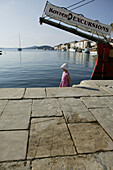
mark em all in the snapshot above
pixel 41 68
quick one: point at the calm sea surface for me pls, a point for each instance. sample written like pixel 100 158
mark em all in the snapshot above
pixel 35 68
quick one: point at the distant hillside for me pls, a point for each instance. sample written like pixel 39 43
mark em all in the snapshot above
pixel 44 47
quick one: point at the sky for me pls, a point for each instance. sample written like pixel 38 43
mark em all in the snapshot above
pixel 21 17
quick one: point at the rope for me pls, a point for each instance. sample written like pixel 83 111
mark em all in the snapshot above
pixel 82 5
pixel 75 4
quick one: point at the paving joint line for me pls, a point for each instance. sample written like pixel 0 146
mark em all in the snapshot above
pixel 30 164
pixel 34 117
pixel 68 129
pixel 24 92
pixel 13 130
pixel 89 110
pixel 46 92
pixel 27 147
pixel 4 108
pixel 56 156
pixel 51 157
pixel 11 161
pixel 101 126
pixel 70 133
pixel 95 152
pixel 95 122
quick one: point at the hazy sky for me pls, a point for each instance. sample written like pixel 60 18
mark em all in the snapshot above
pixel 22 17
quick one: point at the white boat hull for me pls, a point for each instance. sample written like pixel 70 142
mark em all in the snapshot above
pixel 72 50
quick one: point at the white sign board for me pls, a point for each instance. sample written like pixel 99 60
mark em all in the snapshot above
pixel 77 20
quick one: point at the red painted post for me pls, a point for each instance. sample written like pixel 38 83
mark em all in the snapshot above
pixel 104 63
pixel 97 72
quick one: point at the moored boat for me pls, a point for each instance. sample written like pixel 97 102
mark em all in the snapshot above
pixel 79 50
pixel 93 52
pixel 86 50
pixel 72 50
pixel 19 49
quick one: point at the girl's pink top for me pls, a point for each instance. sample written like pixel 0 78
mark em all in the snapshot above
pixel 64 80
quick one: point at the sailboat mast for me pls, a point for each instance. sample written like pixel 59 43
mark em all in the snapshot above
pixel 19 49
pixel 19 42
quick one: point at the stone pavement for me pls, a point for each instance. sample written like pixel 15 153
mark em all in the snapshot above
pixel 57 128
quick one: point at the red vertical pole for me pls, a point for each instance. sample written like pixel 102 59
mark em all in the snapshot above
pixel 97 72
pixel 102 70
pixel 106 64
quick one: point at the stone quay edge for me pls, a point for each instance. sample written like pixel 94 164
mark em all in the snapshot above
pixel 57 128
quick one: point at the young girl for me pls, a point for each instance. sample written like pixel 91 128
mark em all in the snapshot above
pixel 65 81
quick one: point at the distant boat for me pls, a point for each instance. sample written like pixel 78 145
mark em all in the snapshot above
pixel 19 49
pixel 93 52
pixel 0 52
pixel 64 49
pixel 72 50
pixel 79 50
pixel 86 50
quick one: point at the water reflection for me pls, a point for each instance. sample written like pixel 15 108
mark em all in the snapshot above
pixel 31 68
pixel 84 59
pixel 20 58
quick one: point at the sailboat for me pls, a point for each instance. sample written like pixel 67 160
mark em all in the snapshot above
pixel 19 49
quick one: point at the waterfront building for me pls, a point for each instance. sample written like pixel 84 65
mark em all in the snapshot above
pixel 80 44
pixel 73 44
pixel 59 47
pixel 56 47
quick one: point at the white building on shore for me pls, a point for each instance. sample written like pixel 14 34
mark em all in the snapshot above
pixel 75 45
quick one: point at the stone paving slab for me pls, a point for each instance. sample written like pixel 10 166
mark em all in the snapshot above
pixel 16 115
pixel 84 162
pixel 108 101
pixel 66 92
pixel 75 111
pixel 105 119
pixel 105 159
pixel 108 89
pixel 2 105
pixel 104 82
pixel 46 107
pixel 97 82
pixel 35 93
pixel 98 161
pixel 93 102
pixel 105 87
pixel 88 83
pixel 11 93
pixel 13 145
pixel 21 165
pixel 93 91
pixel 49 137
pixel 90 137
pixel 51 140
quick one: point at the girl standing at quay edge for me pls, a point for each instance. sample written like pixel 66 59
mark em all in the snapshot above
pixel 65 81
